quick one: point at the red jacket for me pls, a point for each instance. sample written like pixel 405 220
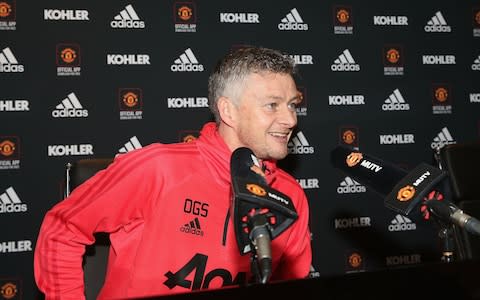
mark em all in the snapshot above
pixel 148 200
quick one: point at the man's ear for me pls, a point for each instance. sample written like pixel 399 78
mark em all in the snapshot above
pixel 227 110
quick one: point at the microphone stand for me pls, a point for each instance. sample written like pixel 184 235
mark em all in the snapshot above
pixel 447 231
pixel 446 234
pixel 261 254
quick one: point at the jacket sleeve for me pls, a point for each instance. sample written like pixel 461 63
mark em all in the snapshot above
pixel 297 258
pixel 109 201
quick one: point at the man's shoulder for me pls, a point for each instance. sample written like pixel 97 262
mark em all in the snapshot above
pixel 287 179
pixel 159 151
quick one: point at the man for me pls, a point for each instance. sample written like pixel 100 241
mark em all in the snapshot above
pixel 145 197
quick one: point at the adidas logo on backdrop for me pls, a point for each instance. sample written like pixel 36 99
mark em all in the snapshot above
pixel 187 62
pixel 132 144
pixel 10 202
pixel 437 24
pixel 299 145
pixel 292 21
pixel 443 138
pixel 70 107
pixel 350 186
pixel 8 62
pixel 345 62
pixel 476 64
pixel 395 102
pixel 127 18
pixel 401 223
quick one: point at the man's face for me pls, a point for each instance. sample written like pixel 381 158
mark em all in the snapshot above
pixel 266 114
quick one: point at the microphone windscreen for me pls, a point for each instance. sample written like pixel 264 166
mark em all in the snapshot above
pixel 373 172
pixel 244 164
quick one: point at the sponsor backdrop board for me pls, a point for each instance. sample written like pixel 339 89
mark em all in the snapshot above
pixel 96 78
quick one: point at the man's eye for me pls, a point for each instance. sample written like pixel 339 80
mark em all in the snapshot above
pixel 272 105
pixel 293 105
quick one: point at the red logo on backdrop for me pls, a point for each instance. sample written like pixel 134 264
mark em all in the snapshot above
pixel 187 136
pixel 130 99
pixel 476 17
pixel 8 10
pixel 68 55
pixel 349 136
pixel 342 19
pixel 342 16
pixel 393 56
pixel 302 106
pixel 185 17
pixel 354 261
pixel 9 148
pixel 10 289
pixel 184 12
pixel 441 98
pixel 393 60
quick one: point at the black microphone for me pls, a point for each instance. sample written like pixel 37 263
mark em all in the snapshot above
pixel 450 212
pixel 402 190
pixel 260 213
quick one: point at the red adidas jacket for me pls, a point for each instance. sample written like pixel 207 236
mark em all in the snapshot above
pixel 165 207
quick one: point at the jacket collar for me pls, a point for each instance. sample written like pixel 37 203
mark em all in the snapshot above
pixel 216 154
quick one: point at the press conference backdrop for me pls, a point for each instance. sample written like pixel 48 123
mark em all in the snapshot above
pixel 84 79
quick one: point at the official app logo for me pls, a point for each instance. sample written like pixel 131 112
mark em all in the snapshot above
pixel 8 11
pixel 354 261
pixel 187 136
pixel 11 289
pixel 476 21
pixel 441 99
pixel 185 16
pixel 349 136
pixel 9 153
pixel 393 60
pixel 302 106
pixel 342 19
pixel 68 60
pixel 130 103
